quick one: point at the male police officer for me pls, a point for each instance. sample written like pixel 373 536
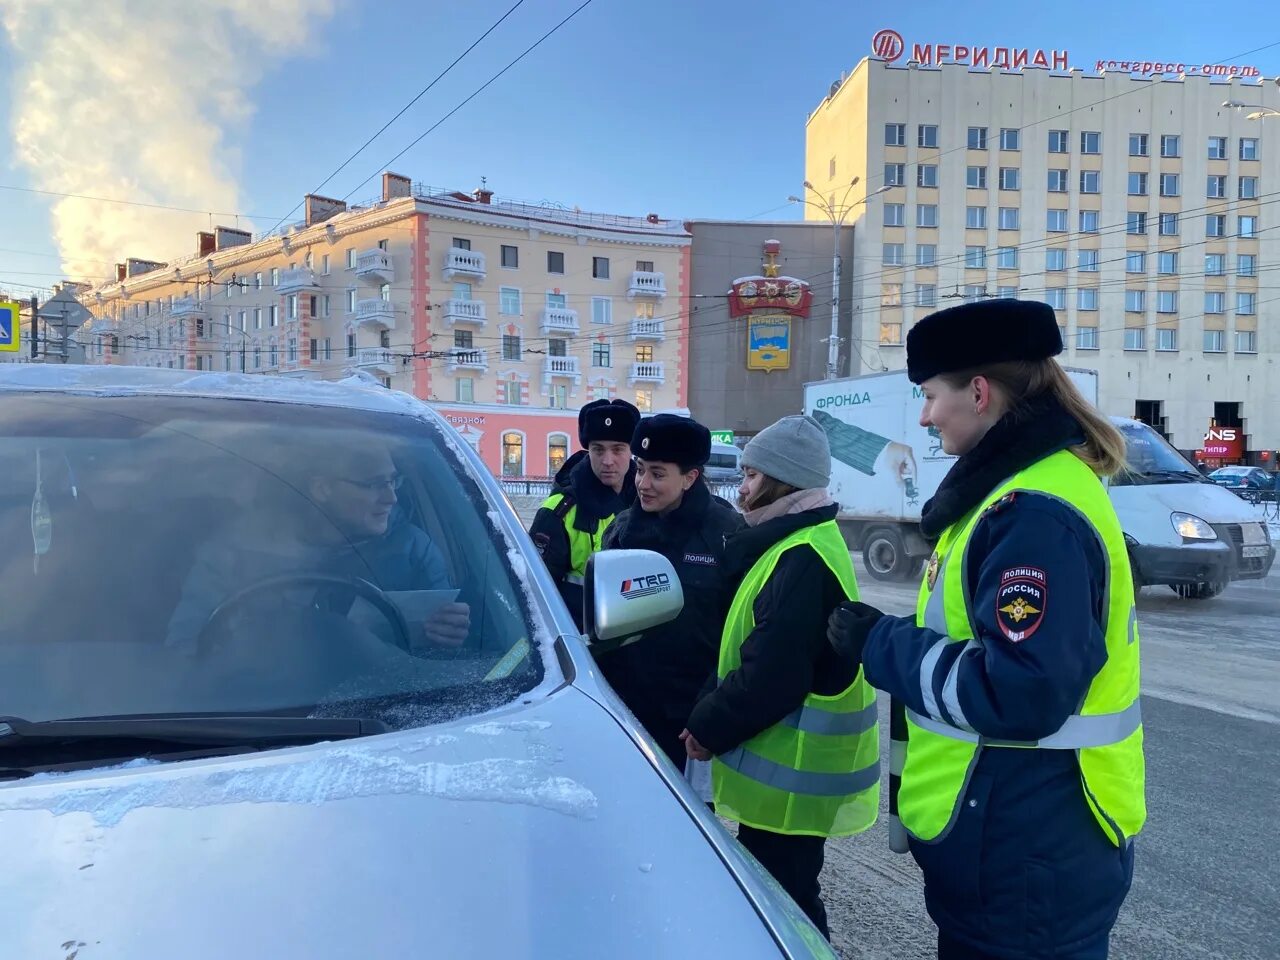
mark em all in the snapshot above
pixel 593 485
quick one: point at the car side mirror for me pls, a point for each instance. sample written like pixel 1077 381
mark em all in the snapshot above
pixel 625 593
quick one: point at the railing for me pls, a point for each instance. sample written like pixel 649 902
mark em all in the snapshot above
pixel 375 357
pixel 561 366
pixel 648 371
pixel 559 319
pixel 642 329
pixel 459 261
pixel 377 263
pixel 377 311
pixel 299 278
pixel 464 311
pixel 647 283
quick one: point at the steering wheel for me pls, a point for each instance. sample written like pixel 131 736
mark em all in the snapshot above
pixel 362 588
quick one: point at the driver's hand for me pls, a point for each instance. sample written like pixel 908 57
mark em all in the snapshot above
pixel 449 625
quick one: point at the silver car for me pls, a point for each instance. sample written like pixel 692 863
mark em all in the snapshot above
pixel 280 676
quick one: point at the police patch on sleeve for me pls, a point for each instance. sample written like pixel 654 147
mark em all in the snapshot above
pixel 540 542
pixel 1020 602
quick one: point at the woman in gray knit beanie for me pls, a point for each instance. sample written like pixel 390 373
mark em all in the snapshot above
pixel 788 783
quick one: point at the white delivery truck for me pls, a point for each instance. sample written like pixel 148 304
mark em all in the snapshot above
pixel 1182 530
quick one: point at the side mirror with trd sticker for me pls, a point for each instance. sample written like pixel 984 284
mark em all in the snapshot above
pixel 627 592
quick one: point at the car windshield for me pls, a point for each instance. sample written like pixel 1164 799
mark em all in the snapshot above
pixel 164 556
pixel 1231 472
pixel 1150 458
pixel 726 461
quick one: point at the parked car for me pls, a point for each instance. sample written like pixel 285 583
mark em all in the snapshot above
pixel 725 465
pixel 282 676
pixel 1259 483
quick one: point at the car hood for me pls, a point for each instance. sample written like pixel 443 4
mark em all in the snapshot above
pixel 541 830
pixel 1208 501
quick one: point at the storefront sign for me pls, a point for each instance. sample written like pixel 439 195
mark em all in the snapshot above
pixel 722 436
pixel 1223 443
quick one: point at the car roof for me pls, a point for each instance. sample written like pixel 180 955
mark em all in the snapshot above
pixel 359 391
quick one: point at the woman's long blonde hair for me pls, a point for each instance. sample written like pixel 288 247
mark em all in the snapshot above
pixel 1023 382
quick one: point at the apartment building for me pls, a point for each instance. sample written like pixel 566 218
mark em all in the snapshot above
pixel 506 315
pixel 1140 207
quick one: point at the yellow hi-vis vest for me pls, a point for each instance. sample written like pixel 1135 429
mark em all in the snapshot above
pixel 581 544
pixel 1106 730
pixel 817 772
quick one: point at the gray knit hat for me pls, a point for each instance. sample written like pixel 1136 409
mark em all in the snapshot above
pixel 794 450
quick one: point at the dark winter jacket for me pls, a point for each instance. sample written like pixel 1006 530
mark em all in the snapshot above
pixel 576 485
pixel 660 676
pixel 787 656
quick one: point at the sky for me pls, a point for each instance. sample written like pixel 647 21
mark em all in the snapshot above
pixel 684 108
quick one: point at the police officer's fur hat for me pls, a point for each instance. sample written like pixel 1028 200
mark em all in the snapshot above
pixel 666 438
pixel 976 334
pixel 607 421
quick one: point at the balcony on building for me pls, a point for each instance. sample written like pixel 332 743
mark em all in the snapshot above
pixel 297 280
pixel 559 320
pixel 561 367
pixel 464 311
pixel 377 313
pixel 647 373
pixel 375 265
pixel 463 264
pixel 468 358
pixel 645 329
pixel 189 307
pixel 647 285
pixel 377 360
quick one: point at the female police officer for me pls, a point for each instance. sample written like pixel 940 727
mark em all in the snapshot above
pixel 1022 788
pixel 660 676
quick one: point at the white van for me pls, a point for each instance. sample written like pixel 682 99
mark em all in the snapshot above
pixel 725 465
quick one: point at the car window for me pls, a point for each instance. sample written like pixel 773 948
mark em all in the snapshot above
pixel 1146 453
pixel 179 555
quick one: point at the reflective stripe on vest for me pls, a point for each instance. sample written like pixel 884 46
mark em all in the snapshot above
pixel 581 544
pixel 1106 731
pixel 817 771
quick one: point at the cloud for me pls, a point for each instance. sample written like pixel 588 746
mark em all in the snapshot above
pixel 141 100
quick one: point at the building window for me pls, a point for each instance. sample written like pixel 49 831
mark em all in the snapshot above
pixel 1247 265
pixel 273 315
pixel 291 304
pixel 1007 258
pixel 1247 227
pixel 1246 341
pixel 1248 188
pixel 601 310
pixel 927 135
pixel 927 175
pixel 975 178
pixel 513 452
pixel 1087 298
pixel 1217 148
pixel 977 138
pixel 292 352
pixel 1167 340
pixel 257 318
pixel 644 311
pixel 464 390
pixel 890 333
pixel 510 256
pixel 1059 142
pixel 1086 337
pixel 644 266
pixel 1170 145
pixel 351 345
pixel 926 254
pixel 1088 221
pixel 1135 301
pixel 973 292
pixel 328 348
pixel 1057 181
pixel 1007 293
pixel 890 294
pixel 1010 138
pixel 1008 218
pixel 275 276
pixel 557 452
pixel 351 258
pixel 509 393
pixel 1056 297
pixel 555 261
pixel 1215 225
pixel 1248 148
pixel 892 254
pixel 975 218
pixel 895 134
pixel 895 215
pixel 1246 304
pixel 926 215
pixel 1088 261
pixel 975 258
pixel 315 349
pixel 1010 178
pixel 559 397
pixel 1215 302
pixel 1090 141
pixel 1215 264
pixel 601 355
pixel 1137 184
pixel 459 243
pixel 926 295
pixel 1166 301
pixel 324 265
pixel 1135 338
pixel 509 301
pixel 644 401
pixel 511 347
pixel 1168 224
pixel 556 301
pixel 895 174
pixel 1090 181
pixel 1167 264
pixel 831 168
pixel 1136 223
pixel 1216 187
pixel 558 347
pixel 600 268
pixel 275 355
pixel 1138 145
pixel 1057 221
pixel 1055 259
pixel 351 301
pixel 463 339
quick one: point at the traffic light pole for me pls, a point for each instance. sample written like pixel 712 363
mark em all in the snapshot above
pixel 35 327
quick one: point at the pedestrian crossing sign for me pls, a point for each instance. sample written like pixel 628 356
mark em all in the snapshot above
pixel 10 326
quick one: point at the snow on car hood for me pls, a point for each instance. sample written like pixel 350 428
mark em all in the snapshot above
pixel 535 831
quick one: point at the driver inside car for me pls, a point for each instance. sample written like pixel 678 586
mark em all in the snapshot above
pixel 337 516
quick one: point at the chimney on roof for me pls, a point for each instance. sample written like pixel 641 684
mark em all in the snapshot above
pixel 225 237
pixel 205 243
pixel 121 272
pixel 395 186
pixel 482 195
pixel 320 209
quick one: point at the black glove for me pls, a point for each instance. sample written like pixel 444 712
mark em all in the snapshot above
pixel 848 628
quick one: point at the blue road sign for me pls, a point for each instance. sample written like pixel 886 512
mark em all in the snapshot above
pixel 10 326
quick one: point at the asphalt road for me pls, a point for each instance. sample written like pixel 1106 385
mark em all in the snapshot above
pixel 1207 875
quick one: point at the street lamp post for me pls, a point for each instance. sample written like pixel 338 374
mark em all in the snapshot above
pixel 836 214
pixel 1260 112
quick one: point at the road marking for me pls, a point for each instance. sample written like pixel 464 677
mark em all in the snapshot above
pixel 1214 706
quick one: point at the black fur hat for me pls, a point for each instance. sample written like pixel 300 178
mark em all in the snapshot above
pixel 977 334
pixel 607 421
pixel 667 438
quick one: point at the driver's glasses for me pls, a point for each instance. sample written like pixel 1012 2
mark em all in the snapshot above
pixel 377 484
